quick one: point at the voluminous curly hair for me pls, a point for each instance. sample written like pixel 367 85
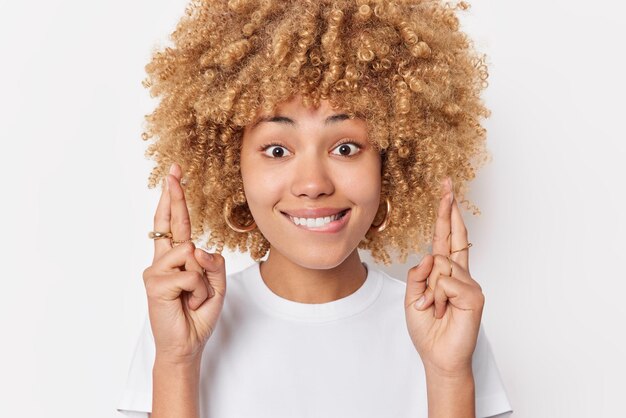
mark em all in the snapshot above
pixel 403 66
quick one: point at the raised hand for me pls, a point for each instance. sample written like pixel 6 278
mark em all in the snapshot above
pixel 444 327
pixel 185 285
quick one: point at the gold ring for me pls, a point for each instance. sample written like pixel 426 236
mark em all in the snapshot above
pixel 174 243
pixel 469 244
pixel 159 235
pixel 450 260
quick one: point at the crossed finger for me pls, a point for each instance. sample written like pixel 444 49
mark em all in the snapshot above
pixel 171 214
pixel 162 222
pixel 443 224
pixel 461 294
pixel 443 267
pixel 181 225
pixel 459 239
pixel 450 235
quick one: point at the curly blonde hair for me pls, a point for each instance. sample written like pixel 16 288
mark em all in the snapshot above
pixel 403 66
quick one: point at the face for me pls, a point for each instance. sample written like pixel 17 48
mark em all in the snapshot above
pixel 312 182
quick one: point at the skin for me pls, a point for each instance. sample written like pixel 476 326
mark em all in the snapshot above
pixel 186 286
pixel 311 173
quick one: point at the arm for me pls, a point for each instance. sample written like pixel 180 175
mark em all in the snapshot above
pixel 450 396
pixel 175 389
pixel 185 288
pixel 443 306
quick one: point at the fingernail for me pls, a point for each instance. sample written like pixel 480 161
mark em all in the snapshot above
pixel 420 302
pixel 172 169
pixel 207 256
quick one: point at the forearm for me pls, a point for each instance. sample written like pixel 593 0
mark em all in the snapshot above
pixel 451 396
pixel 175 389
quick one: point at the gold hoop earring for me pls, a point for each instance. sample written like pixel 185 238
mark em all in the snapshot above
pixel 237 228
pixel 381 227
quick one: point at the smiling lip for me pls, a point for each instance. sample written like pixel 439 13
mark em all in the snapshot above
pixel 331 227
pixel 313 213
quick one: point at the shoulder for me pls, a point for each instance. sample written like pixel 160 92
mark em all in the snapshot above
pixel 240 287
pixel 491 395
pixel 241 273
pixel 391 293
pixel 390 283
pixel 242 276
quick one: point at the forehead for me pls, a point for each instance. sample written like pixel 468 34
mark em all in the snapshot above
pixel 287 121
pixel 293 113
pixel 295 106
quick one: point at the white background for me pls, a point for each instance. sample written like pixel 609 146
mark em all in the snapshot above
pixel 548 247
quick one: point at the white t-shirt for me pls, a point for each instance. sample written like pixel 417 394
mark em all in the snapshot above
pixel 270 357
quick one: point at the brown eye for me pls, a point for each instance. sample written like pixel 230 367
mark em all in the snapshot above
pixel 275 151
pixel 348 149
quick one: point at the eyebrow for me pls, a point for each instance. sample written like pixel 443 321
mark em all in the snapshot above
pixel 286 121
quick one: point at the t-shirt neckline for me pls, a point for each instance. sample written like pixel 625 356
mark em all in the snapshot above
pixel 345 307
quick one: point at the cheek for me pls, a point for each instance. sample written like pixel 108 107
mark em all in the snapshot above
pixel 362 185
pixel 361 178
pixel 262 189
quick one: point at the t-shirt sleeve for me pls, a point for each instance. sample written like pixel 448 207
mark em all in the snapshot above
pixel 136 400
pixel 505 415
pixel 491 397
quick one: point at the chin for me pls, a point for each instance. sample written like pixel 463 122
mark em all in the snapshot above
pixel 317 259
pixel 320 263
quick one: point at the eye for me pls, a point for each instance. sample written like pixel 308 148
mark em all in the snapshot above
pixel 348 149
pixel 275 150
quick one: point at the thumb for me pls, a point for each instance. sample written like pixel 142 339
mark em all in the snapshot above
pixel 416 280
pixel 214 266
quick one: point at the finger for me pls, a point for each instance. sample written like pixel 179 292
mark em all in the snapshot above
pixel 215 268
pixel 416 280
pixel 440 299
pixel 170 286
pixel 458 272
pixel 459 237
pixel 181 257
pixel 162 222
pixel 181 225
pixel 459 294
pixel 192 264
pixel 440 267
pixel 441 243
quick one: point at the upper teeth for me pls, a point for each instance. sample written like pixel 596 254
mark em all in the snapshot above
pixel 314 222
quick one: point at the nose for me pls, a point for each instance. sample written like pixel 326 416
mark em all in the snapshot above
pixel 311 177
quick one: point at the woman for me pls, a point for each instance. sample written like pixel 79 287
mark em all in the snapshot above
pixel 305 131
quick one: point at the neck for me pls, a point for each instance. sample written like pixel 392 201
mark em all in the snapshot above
pixel 301 284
